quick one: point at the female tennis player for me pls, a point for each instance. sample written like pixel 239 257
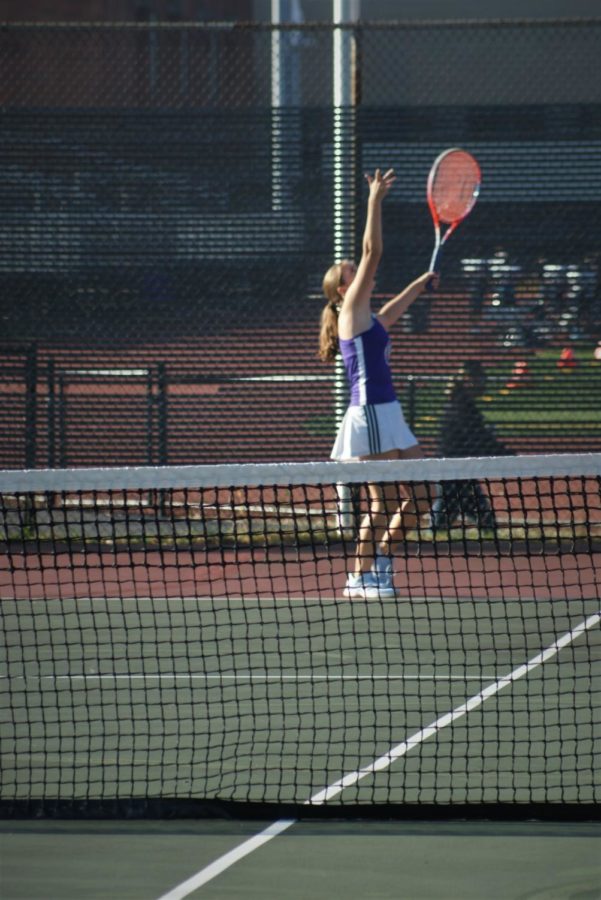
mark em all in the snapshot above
pixel 374 426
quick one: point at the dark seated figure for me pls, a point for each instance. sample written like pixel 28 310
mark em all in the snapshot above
pixel 464 432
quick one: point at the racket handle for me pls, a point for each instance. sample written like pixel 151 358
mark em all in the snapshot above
pixel 430 286
pixel 434 267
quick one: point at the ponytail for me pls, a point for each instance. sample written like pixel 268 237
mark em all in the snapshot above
pixel 328 335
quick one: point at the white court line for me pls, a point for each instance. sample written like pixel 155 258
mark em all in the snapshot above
pixel 313 598
pixel 383 762
pixel 246 676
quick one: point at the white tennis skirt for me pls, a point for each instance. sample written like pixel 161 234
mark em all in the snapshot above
pixel 371 429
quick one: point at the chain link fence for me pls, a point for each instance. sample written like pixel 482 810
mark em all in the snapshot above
pixel 172 195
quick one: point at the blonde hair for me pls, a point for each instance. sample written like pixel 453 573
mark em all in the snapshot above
pixel 328 334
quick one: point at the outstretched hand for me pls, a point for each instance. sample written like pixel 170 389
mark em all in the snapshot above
pixel 429 281
pixel 379 184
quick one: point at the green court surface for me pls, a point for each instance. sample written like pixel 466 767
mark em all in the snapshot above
pixel 270 700
pixel 354 860
pixel 277 698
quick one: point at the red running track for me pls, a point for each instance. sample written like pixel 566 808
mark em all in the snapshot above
pixel 268 574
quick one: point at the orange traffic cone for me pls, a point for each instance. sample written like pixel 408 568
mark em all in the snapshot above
pixel 566 360
pixel 520 375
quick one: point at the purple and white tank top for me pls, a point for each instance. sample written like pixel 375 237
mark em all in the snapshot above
pixel 366 362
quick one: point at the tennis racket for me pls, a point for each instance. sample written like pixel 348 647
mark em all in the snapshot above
pixel 453 188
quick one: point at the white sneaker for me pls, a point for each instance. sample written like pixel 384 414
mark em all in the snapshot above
pixel 382 572
pixel 364 585
pixel 369 585
pixel 384 584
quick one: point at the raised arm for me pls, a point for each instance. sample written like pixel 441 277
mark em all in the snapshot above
pixel 394 309
pixel 355 313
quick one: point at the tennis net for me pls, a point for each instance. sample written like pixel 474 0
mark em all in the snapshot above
pixel 176 638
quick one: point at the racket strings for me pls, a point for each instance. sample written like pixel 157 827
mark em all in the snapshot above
pixel 454 186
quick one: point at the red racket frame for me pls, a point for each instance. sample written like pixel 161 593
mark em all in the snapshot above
pixel 436 217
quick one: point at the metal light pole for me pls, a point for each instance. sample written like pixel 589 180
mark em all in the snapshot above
pixel 344 54
pixel 344 12
pixel 285 104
